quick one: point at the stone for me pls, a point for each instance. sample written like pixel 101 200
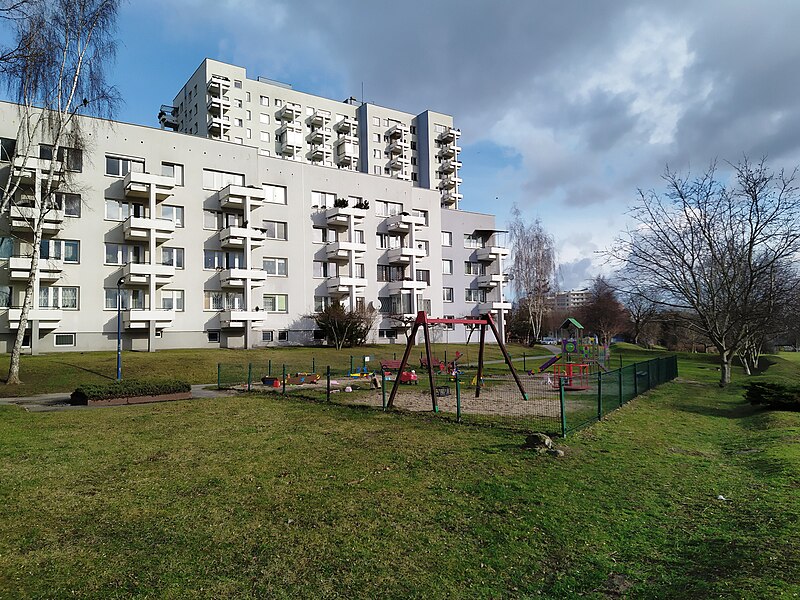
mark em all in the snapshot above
pixel 538 441
pixel 555 452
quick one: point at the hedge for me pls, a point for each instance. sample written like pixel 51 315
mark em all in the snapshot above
pixel 774 395
pixel 128 388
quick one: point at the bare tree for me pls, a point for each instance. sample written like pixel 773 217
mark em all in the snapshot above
pixel 533 266
pixel 643 311
pixel 603 314
pixel 59 76
pixel 344 327
pixel 718 251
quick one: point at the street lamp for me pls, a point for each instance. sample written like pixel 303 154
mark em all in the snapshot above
pixel 119 328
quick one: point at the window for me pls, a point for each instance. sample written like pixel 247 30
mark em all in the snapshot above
pixel 275 194
pixel 389 334
pixel 323 269
pixel 376 121
pixel 278 102
pixel 449 326
pixel 70 204
pixel 423 245
pixel 376 170
pixel 6 247
pixel 71 157
pixel 213 336
pixel 421 213
pixel 276 303
pixel 387 209
pixel 320 235
pixel 64 339
pixel 447 294
pixel 447 238
pixel 264 101
pixel 438 128
pixel 385 241
pixel 321 303
pixel 322 199
pixel 376 137
pixel 413 147
pixel 384 273
pixel 473 241
pixel 237 83
pixel 173 170
pixel 172 213
pixel 237 102
pixel 447 266
pixel 275 230
pixel 376 154
pixel 248 115
pixel 283 336
pixel 248 134
pixel 213 259
pixel 423 275
pixel 5 296
pixel 474 295
pixel 172 257
pixel 212 300
pixel 117 166
pixel 263 118
pixel 237 123
pixel 247 96
pixel 359 270
pixel 120 254
pixel 171 299
pixel 212 220
pixel 72 251
pixel 119 210
pixel 471 268
pixel 275 267
pixel 7 148
pixel 238 140
pixel 267 336
pixel 216 180
pixel 58 297
pixel 358 236
pixel 264 137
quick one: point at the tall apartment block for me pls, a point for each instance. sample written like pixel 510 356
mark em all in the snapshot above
pixel 253 206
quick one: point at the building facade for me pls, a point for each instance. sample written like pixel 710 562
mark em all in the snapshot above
pixel 568 300
pixel 212 242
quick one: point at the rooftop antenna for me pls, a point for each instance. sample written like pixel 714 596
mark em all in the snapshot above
pixel 362 92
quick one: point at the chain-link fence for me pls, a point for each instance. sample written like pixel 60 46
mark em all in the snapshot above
pixel 531 401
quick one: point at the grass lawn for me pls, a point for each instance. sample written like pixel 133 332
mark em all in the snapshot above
pixel 254 497
pixel 63 372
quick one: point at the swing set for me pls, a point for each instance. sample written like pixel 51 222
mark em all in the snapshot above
pixel 425 322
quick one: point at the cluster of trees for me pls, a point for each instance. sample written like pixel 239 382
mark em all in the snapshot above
pixel 55 66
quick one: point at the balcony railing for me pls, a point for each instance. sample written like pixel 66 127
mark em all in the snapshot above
pixel 238 318
pixel 450 135
pixel 339 251
pixel 493 305
pixel 340 216
pixel 49 268
pixel 23 218
pixel 407 284
pixel 490 280
pixel 234 196
pixel 138 185
pixel 140 273
pixel 237 237
pixel 289 111
pixel 403 223
pixel 218 85
pixel 343 286
pixel 27 167
pixel 47 318
pixel 140 318
pixel 491 253
pixel 346 125
pixel 141 228
pixel 238 277
pixel 404 255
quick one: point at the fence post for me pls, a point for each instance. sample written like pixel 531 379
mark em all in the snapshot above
pixel 351 364
pixel 599 396
pixel 458 398
pixel 635 381
pixel 383 389
pixel 649 378
pixel 249 376
pixel 328 383
pixel 563 409
pixel 284 380
pixel 269 368
pixel 619 373
pixel 219 376
pixel 313 364
pixel 394 355
pixel 524 364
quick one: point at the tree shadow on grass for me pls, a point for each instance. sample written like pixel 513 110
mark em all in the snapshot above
pixel 735 412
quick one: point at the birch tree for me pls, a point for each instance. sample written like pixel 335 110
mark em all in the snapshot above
pixel 721 251
pixel 68 45
pixel 532 269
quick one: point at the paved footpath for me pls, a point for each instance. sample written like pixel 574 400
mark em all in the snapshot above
pixel 60 400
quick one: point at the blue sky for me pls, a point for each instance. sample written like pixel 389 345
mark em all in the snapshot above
pixel 565 108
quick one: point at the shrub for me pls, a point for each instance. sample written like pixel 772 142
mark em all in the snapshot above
pixel 128 389
pixel 775 395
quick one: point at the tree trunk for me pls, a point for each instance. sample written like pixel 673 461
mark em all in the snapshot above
pixel 725 368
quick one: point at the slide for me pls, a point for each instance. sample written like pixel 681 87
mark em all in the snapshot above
pixel 549 363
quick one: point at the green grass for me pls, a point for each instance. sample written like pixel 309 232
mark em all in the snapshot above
pixel 63 372
pixel 253 497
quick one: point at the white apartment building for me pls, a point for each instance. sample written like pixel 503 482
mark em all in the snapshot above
pixel 264 206
pixel 568 300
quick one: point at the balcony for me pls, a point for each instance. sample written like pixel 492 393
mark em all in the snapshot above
pixel 291 140
pixel 449 151
pixel 218 105
pixel 449 198
pixel 138 185
pixel 23 218
pixel 49 268
pixel 289 111
pixel 218 85
pixel 449 166
pixel 346 150
pixel 404 223
pixel 235 196
pixel 317 136
pixel 140 318
pixel 236 319
pixel 140 273
pixel 238 277
pixel 141 228
pixel 449 136
pixel 403 256
pixel 449 182
pixel 237 237
pixel 398 164
pixel 316 154
pixel 397 147
pixel 343 286
pixel 397 131
pixel 217 125
pixel 493 305
pixel 340 251
pixel 346 125
pixel 320 118
pixel 47 318
pixel 26 168
pixel 340 216
pixel 406 284
pixel 491 253
pixel 490 280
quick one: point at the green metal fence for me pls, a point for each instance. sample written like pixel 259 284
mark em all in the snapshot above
pixel 547 405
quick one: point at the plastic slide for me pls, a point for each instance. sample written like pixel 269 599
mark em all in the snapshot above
pixel 550 363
